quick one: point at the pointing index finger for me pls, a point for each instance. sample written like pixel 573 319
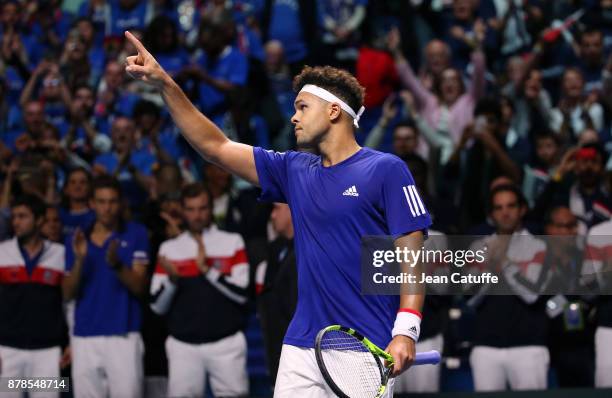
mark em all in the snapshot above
pixel 139 46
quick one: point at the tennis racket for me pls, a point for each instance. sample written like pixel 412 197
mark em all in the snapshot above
pixel 353 366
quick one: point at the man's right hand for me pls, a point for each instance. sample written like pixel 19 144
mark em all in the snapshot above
pixel 79 244
pixel 143 66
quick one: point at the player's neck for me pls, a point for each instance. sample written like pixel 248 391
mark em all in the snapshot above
pixel 32 244
pixel 338 147
pixel 102 229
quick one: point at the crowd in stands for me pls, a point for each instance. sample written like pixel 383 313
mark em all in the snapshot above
pixel 497 106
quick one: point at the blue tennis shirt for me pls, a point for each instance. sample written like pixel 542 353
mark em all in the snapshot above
pixel 105 307
pixel 370 193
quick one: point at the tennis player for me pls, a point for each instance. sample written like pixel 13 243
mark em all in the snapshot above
pixel 337 197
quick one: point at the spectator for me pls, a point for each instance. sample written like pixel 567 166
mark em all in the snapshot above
pixel 537 174
pixel 578 184
pixel 84 134
pixel 208 266
pixel 49 23
pixel 531 102
pixel 107 268
pixel 33 326
pixel 276 287
pixel 406 136
pixel 161 37
pixel 575 111
pixel 19 141
pixel 133 168
pixel 219 67
pixel 75 212
pixel 375 69
pixel 464 31
pixel 242 123
pixel 31 174
pixel 448 107
pixel 520 330
pixel 112 98
pixel 122 15
pixel 291 24
pixel 52 227
pixel 152 137
pixel 339 23
pixel 591 59
pixel 437 57
pixel 162 214
pixel 277 107
pixel 485 156
pixel 571 330
pixel 85 28
pixel 16 53
pixel 237 210
pixel 74 62
pixel 54 93
pixel 510 22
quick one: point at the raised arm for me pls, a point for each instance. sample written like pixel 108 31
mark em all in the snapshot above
pixel 202 134
pixel 477 88
pixel 406 74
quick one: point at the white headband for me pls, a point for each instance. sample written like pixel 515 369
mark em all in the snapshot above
pixel 329 97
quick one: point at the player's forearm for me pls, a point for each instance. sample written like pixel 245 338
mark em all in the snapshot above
pixel 135 282
pixel 71 283
pixel 200 131
pixel 408 319
pixel 412 301
pixel 413 295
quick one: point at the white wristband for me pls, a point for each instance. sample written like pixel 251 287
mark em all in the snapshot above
pixel 407 324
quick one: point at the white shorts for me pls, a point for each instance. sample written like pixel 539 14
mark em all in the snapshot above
pixel 424 378
pixel 224 361
pixel 603 357
pixel 103 365
pixel 524 368
pixel 299 376
pixel 20 363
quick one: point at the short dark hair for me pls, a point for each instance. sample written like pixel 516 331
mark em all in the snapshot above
pixel 337 81
pixel 550 211
pixel 507 188
pixel 407 123
pixel 65 203
pixel 545 133
pixel 82 85
pixel 106 182
pixel 591 30
pixel 194 190
pixel 32 202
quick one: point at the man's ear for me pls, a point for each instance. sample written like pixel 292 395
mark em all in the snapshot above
pixel 335 112
pixel 40 221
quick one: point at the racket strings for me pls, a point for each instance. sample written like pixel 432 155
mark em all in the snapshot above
pixel 350 364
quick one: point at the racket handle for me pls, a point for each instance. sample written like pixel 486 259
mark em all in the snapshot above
pixel 427 358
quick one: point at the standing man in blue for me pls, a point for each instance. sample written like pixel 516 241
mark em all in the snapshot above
pixel 107 273
pixel 335 198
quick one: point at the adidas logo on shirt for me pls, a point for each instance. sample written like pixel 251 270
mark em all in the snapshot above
pixel 413 329
pixel 352 191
